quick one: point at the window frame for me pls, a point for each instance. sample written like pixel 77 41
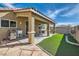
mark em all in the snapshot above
pixel 0 23
pixel 13 21
pixel 9 23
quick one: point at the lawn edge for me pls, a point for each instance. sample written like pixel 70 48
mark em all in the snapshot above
pixel 45 51
pixel 70 42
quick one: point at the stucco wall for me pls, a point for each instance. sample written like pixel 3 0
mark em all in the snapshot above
pixel 76 34
pixel 3 31
pixel 12 16
pixel 21 24
pixel 64 30
pixel 37 30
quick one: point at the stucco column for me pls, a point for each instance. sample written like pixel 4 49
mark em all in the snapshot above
pixel 48 30
pixel 31 33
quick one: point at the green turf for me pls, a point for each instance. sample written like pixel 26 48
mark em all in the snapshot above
pixel 56 45
pixel 51 44
pixel 66 49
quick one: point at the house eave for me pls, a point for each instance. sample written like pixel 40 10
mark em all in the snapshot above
pixel 36 12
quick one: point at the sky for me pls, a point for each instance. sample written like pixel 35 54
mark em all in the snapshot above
pixel 62 13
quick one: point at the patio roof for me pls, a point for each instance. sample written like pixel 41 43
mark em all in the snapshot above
pixel 25 9
pixel 36 12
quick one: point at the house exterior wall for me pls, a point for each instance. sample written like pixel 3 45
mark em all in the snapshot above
pixel 75 33
pixel 52 28
pixel 21 18
pixel 12 16
pixel 22 14
pixel 45 21
pixel 39 31
pixel 64 30
pixel 37 27
pixel 3 31
pixel 21 24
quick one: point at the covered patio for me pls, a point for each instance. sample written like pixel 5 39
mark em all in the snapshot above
pixel 23 41
pixel 34 24
pixel 34 27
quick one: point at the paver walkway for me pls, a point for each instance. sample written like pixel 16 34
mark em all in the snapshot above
pixel 22 50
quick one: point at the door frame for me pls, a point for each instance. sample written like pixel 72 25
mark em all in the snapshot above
pixel 26 27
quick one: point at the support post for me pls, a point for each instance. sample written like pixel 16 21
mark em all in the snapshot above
pixel 48 30
pixel 31 33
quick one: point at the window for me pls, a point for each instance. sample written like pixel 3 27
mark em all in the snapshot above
pixel 12 23
pixel 7 23
pixel 41 26
pixel 43 31
pixel 4 23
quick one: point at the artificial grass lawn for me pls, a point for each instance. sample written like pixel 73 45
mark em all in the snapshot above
pixel 51 44
pixel 56 45
pixel 66 49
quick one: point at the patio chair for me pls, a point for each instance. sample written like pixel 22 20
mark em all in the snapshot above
pixel 12 34
pixel 19 33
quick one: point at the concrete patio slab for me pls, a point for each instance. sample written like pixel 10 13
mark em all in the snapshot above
pixel 22 50
pixel 39 53
pixel 17 48
pixel 13 51
pixel 3 51
pixel 26 53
